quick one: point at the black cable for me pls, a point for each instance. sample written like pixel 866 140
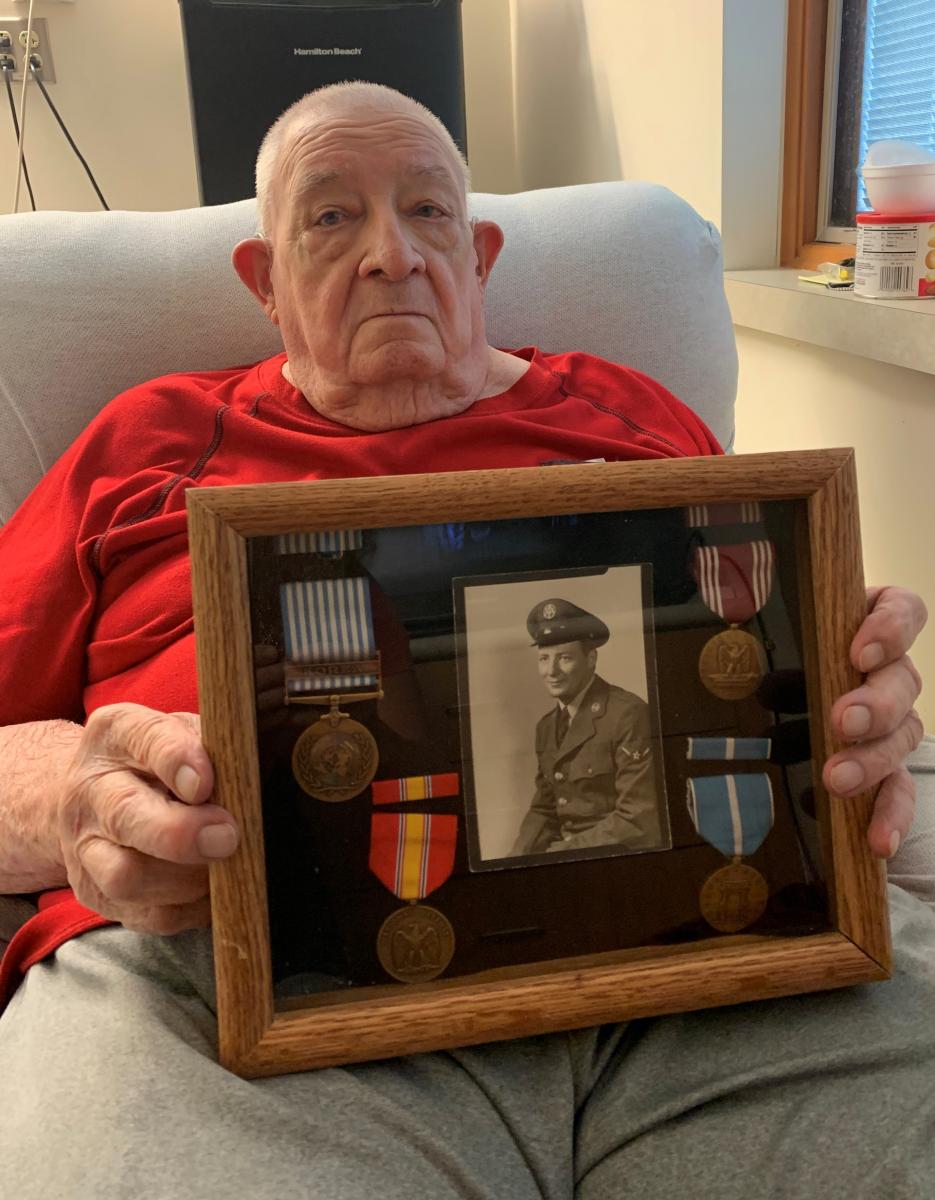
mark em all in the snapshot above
pixel 9 92
pixel 71 142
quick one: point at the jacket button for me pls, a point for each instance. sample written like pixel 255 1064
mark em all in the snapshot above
pixel 590 770
pixel 559 776
pixel 562 800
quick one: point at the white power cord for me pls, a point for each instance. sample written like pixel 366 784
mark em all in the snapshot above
pixel 21 148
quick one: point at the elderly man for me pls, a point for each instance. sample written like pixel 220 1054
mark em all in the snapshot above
pixel 595 784
pixel 108 1082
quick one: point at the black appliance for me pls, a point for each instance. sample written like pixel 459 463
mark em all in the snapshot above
pixel 248 60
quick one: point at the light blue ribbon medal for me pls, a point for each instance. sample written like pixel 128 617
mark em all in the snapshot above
pixel 733 813
pixel 331 658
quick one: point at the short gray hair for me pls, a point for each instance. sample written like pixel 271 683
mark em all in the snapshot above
pixel 351 96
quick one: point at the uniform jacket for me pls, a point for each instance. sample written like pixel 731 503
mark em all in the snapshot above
pixel 598 787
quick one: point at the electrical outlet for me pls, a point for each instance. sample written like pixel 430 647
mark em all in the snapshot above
pixel 16 28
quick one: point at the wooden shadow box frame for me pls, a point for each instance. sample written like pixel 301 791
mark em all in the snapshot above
pixel 255 1039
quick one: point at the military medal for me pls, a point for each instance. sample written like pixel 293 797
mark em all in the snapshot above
pixel 735 583
pixel 734 813
pixel 733 898
pixel 335 758
pixel 415 944
pixel 331 659
pixel 412 854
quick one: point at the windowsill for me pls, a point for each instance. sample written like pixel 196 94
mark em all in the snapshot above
pixel 900 332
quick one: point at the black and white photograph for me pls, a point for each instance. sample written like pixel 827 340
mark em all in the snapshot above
pixel 559 717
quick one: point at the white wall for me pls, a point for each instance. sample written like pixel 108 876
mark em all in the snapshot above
pixel 610 89
pixel 121 88
pixel 122 92
pixel 793 396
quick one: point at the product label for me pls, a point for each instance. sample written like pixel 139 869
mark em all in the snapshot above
pixel 895 261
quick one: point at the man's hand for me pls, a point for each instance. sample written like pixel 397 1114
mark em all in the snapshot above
pixel 135 829
pixel 878 718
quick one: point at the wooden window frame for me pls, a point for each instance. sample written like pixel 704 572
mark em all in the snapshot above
pixel 806 48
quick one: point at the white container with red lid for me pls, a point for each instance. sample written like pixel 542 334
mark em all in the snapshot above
pixel 895 256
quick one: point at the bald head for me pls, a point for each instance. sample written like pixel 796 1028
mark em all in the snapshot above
pixel 369 263
pixel 351 100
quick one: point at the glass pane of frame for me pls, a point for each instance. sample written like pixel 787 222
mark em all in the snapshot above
pixel 563 736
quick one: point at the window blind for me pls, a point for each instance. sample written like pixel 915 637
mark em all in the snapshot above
pixel 899 76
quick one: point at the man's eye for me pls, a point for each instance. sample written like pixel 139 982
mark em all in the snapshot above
pixel 330 218
pixel 429 210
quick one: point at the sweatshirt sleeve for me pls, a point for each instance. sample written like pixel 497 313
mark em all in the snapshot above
pixel 47 597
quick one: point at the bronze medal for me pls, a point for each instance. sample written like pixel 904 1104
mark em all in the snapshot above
pixel 733 897
pixel 415 944
pixel 335 758
pixel 731 664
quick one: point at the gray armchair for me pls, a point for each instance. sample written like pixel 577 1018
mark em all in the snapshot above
pixel 96 302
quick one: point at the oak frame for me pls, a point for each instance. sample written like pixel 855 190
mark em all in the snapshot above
pixel 255 1040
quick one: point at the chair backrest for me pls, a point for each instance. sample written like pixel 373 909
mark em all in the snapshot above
pixel 96 302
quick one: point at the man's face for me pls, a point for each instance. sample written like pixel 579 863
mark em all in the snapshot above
pixel 566 668
pixel 375 277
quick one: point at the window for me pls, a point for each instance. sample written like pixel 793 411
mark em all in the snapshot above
pixel 857 71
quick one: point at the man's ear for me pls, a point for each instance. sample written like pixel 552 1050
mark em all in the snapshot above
pixel 488 242
pixel 253 261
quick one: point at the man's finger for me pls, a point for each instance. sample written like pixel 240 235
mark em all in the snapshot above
pixel 862 767
pixel 879 705
pixel 167 919
pixel 155 743
pixel 893 813
pixel 895 618
pixel 130 812
pixel 264 654
pixel 270 678
pixel 124 876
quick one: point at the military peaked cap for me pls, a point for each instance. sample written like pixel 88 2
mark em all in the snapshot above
pixel 552 622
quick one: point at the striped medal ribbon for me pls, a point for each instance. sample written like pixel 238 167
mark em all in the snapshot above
pixel 744 512
pixel 412 854
pixel 331 543
pixel 733 813
pixel 728 748
pixel 735 582
pixel 415 787
pixel 331 656
pixel 328 629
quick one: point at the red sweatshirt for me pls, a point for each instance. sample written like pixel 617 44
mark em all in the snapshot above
pixel 94 570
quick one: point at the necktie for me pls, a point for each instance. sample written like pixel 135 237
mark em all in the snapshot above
pixel 561 725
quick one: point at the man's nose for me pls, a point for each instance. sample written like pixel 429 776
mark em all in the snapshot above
pixel 390 251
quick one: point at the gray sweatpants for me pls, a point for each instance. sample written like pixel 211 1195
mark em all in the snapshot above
pixel 109 1088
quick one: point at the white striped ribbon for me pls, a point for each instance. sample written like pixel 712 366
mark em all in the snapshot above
pixel 747 512
pixel 326 541
pixel 759 578
pixel 328 621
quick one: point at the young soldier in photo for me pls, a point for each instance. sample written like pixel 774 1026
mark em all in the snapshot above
pixel 595 783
